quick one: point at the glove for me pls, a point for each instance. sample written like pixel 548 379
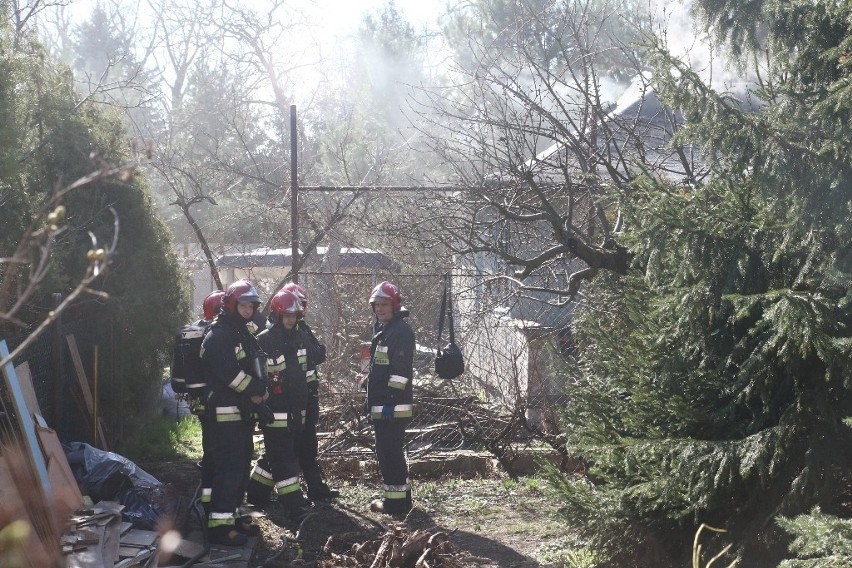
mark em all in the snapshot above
pixel 246 409
pixel 294 422
pixel 387 412
pixel 264 413
pixel 320 355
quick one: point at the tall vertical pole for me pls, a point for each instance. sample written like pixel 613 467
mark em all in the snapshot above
pixel 294 197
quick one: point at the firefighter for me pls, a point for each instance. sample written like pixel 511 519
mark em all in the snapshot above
pixel 287 363
pixel 257 323
pixel 389 395
pixel 306 441
pixel 197 389
pixel 232 362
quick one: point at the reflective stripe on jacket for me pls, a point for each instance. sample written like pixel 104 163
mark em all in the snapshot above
pixel 391 368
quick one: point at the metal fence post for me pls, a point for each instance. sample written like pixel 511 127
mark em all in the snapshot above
pixel 294 197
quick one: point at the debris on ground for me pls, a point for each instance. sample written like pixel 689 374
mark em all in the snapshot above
pixel 398 548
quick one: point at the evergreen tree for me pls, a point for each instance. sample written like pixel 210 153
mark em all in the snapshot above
pixel 107 68
pixel 714 380
pixel 48 138
pixel 558 35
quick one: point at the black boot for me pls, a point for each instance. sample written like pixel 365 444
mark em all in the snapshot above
pixel 245 525
pixel 395 507
pixel 298 513
pixel 296 506
pixel 226 535
pixel 322 492
pixel 259 495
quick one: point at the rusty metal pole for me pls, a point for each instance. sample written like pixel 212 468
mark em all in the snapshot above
pixel 294 197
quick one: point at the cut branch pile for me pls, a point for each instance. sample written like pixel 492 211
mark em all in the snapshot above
pixel 396 549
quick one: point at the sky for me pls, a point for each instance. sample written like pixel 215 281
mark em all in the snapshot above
pixel 336 23
pixel 346 14
pixel 341 18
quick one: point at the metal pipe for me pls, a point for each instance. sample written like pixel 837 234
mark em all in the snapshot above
pixel 386 188
pixel 294 197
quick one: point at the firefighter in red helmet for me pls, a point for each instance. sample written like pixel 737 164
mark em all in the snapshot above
pixel 307 445
pixel 235 367
pixel 297 289
pixel 212 304
pixel 287 363
pixel 390 396
pixel 189 379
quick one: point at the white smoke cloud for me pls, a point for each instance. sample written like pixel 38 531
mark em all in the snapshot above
pixel 686 39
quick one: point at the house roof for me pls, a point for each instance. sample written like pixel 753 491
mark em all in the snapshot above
pixel 640 124
pixel 638 127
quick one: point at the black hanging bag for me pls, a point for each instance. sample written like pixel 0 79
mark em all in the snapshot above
pixel 449 361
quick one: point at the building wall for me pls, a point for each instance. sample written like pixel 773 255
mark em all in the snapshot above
pixel 509 358
pixel 498 357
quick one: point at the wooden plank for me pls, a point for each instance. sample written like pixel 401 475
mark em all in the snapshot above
pixel 185 550
pixel 66 492
pixel 102 435
pixel 83 382
pixel 139 538
pixel 92 556
pixel 26 421
pixel 26 380
pixel 12 504
pixel 13 508
pixel 82 379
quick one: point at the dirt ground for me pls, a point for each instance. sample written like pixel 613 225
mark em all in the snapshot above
pixel 495 521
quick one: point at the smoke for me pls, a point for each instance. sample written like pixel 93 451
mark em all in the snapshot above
pixel 685 38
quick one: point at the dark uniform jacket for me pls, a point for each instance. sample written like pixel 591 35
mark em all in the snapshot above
pixel 316 354
pixel 287 364
pixel 227 351
pixel 391 368
pixel 257 323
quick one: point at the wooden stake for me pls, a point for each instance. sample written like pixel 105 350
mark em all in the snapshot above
pixel 83 382
pixel 95 387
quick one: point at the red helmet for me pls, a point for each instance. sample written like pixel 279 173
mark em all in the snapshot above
pixel 298 290
pixel 240 291
pixel 285 302
pixel 387 290
pixel 212 303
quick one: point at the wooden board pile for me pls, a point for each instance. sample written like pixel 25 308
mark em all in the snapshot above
pixel 396 549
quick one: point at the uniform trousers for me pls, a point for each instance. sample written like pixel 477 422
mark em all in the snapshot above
pixel 390 453
pixel 230 450
pixel 277 470
pixel 307 446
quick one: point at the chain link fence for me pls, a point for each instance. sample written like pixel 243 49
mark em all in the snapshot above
pixel 515 344
pixel 51 364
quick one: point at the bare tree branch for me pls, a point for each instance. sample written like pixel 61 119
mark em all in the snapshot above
pixel 35 248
